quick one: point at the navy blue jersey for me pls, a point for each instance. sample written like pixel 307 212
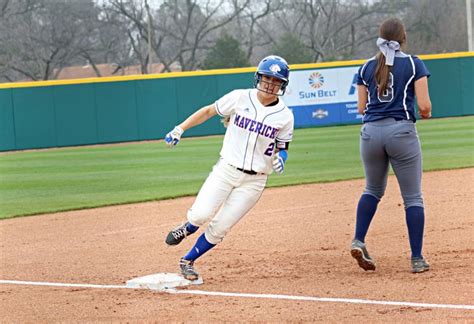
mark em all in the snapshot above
pixel 398 101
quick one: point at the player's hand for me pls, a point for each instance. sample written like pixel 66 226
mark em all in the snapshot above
pixel 425 114
pixel 173 137
pixel 279 161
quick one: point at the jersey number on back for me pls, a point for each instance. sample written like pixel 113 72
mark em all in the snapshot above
pixel 387 95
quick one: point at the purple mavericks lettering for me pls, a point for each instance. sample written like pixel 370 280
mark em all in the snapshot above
pixel 255 127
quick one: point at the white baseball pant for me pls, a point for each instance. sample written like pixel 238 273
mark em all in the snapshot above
pixel 234 191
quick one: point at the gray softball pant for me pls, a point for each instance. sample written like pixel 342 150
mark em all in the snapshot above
pixel 396 142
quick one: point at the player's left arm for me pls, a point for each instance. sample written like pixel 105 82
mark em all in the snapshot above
pixel 421 88
pixel 423 97
pixel 282 143
pixel 281 156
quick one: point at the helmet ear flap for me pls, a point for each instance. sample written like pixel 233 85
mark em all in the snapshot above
pixel 283 86
pixel 256 79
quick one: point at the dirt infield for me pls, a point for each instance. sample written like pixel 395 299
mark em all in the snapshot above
pixel 294 242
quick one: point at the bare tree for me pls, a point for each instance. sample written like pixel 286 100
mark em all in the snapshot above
pixel 42 41
pixel 132 14
pixel 251 23
pixel 10 13
pixel 41 37
pixel 10 8
pixel 334 29
pixel 186 28
pixel 436 26
pixel 181 28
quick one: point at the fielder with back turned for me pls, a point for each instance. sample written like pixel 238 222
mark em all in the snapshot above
pixel 259 130
pixel 387 86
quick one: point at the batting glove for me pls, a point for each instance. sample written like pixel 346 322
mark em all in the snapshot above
pixel 279 161
pixel 173 137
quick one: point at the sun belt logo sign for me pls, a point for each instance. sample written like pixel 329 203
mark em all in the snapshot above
pixel 316 80
pixel 275 68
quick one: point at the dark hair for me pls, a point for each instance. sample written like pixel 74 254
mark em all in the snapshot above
pixel 391 29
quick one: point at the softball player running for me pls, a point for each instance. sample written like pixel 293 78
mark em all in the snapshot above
pixel 259 129
pixel 387 86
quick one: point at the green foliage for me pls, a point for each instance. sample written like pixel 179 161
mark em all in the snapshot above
pixel 226 54
pixel 290 47
pixel 73 178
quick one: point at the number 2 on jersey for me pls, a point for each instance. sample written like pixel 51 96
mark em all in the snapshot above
pixel 269 150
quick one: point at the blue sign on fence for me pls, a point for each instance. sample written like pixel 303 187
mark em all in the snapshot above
pixel 323 97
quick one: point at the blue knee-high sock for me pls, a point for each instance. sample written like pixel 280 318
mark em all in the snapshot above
pixel 365 212
pixel 202 246
pixel 415 217
pixel 191 228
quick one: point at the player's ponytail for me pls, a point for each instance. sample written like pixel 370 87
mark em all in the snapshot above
pixel 391 29
pixel 382 73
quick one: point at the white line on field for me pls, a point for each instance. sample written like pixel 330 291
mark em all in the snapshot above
pixel 246 295
pixel 320 299
pixel 58 284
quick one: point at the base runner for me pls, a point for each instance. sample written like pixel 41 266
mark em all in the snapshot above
pixel 259 130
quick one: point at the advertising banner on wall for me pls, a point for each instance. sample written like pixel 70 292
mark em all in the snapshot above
pixel 323 96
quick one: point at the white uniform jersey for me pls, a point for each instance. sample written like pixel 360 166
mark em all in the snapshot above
pixel 253 130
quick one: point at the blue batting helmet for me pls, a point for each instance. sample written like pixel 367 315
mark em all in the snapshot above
pixel 274 66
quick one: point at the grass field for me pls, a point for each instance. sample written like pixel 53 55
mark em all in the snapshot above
pixel 34 182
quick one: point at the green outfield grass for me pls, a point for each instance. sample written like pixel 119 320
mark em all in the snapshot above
pixel 43 181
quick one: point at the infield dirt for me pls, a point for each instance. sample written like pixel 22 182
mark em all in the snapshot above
pixel 294 242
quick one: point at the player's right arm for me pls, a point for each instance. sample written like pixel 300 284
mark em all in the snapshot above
pixel 224 107
pixel 199 117
pixel 362 91
pixel 362 98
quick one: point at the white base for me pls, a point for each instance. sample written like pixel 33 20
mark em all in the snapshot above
pixel 161 281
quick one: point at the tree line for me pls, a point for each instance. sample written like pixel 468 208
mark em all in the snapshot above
pixel 41 37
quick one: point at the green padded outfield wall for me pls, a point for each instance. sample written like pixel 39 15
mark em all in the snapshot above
pixel 133 108
pixel 7 123
pixel 452 86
